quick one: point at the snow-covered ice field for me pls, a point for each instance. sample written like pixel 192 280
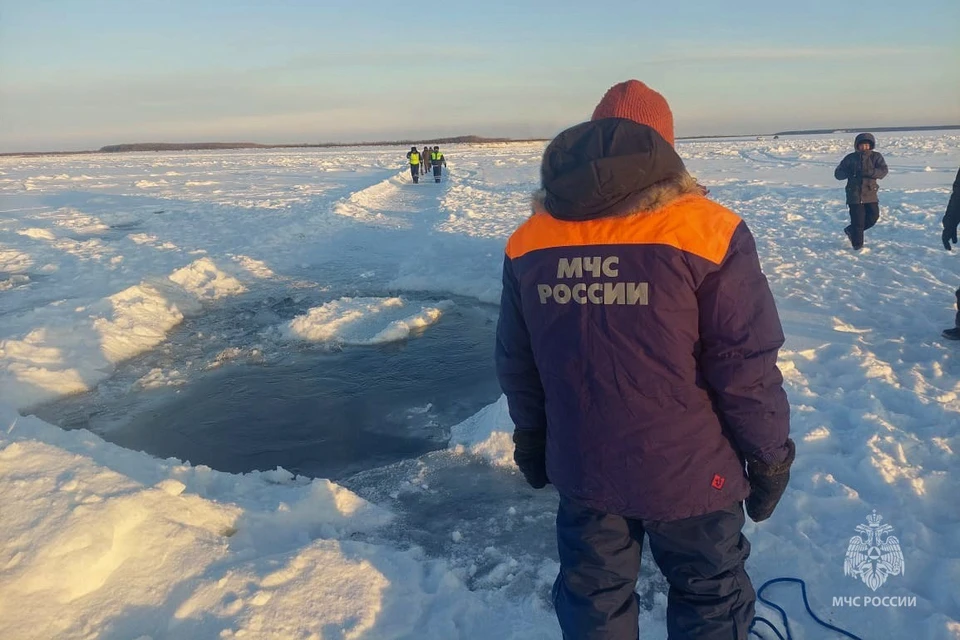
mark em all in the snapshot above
pixel 141 275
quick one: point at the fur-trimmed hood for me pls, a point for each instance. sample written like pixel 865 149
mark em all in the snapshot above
pixel 865 137
pixel 610 167
pixel 653 198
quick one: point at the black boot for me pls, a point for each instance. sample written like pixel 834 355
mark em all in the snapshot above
pixel 951 334
pixel 848 231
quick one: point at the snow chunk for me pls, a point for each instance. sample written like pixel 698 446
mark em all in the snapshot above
pixel 13 260
pixel 819 433
pixel 171 486
pixel 488 433
pixel 157 378
pixel 363 321
pixel 148 184
pixel 256 267
pixel 134 320
pixel 13 282
pixel 82 349
pixel 206 281
pixel 37 234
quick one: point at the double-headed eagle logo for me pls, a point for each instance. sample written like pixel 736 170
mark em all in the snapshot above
pixel 875 555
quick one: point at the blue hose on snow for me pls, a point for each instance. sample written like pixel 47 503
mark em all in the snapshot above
pixel 783 614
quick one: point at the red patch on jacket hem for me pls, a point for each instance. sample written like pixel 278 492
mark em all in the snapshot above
pixel 718 481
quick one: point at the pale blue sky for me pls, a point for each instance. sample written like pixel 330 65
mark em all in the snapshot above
pixel 79 74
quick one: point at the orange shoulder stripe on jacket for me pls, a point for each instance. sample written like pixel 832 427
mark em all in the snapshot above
pixel 692 224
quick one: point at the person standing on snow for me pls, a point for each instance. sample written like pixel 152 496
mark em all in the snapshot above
pixel 413 156
pixel 951 218
pixel 637 347
pixel 861 169
pixel 425 160
pixel 436 161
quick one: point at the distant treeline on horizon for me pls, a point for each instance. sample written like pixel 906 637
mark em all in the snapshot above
pixel 193 146
pixel 809 132
pixel 212 146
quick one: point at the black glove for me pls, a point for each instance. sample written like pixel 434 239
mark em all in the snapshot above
pixel 767 484
pixel 948 236
pixel 530 454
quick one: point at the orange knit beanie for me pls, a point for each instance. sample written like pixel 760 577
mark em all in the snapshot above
pixel 635 101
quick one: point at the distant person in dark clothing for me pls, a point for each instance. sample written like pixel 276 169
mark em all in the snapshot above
pixel 413 156
pixel 436 161
pixel 861 169
pixel 425 160
pixel 951 218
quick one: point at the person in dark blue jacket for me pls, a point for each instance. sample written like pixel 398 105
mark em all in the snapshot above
pixel 861 169
pixel 951 218
pixel 637 347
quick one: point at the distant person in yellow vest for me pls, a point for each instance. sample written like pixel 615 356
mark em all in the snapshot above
pixel 425 161
pixel 436 161
pixel 414 157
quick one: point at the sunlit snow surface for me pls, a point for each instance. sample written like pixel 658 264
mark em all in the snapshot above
pixel 104 259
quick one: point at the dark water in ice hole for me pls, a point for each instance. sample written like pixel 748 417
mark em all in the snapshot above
pixel 322 413
pixel 350 415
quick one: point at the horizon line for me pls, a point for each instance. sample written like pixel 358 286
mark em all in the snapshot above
pixel 464 139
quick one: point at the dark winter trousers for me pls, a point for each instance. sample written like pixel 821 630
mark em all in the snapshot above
pixel 415 172
pixel 702 558
pixel 436 173
pixel 862 217
pixel 957 320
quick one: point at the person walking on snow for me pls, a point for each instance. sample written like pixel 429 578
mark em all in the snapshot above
pixel 413 156
pixel 637 346
pixel 436 161
pixel 951 218
pixel 425 160
pixel 861 169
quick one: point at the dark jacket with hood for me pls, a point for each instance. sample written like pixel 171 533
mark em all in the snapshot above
pixel 637 333
pixel 951 218
pixel 861 170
